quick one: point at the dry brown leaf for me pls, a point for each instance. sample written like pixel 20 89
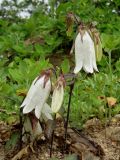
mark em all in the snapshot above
pixel 111 101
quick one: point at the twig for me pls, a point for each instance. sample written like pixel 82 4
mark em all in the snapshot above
pixel 52 138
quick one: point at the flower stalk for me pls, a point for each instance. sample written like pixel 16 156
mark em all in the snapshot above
pixel 68 109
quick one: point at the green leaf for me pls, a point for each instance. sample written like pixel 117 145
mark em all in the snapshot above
pixel 110 42
pixel 13 141
pixel 71 157
pixel 65 66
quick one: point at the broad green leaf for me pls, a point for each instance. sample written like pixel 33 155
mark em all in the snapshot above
pixel 110 42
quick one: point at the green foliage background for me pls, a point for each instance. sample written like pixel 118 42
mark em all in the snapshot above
pixel 29 45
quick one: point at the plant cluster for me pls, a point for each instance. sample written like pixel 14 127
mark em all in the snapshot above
pixel 28 46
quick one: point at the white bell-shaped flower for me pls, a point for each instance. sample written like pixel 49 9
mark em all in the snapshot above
pixel 37 95
pixel 85 54
pixel 58 94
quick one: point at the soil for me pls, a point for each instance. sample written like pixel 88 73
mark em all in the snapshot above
pixel 94 142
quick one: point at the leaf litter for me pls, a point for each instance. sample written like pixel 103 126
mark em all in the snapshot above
pixel 94 142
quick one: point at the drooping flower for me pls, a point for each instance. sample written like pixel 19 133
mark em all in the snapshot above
pixel 38 94
pixel 58 94
pixel 84 53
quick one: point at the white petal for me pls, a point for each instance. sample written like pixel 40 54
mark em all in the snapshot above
pixel 29 94
pixel 78 54
pixel 39 97
pixel 57 99
pixel 42 97
pixel 94 62
pixel 88 53
pixel 46 112
pixel 28 108
pixel 38 110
